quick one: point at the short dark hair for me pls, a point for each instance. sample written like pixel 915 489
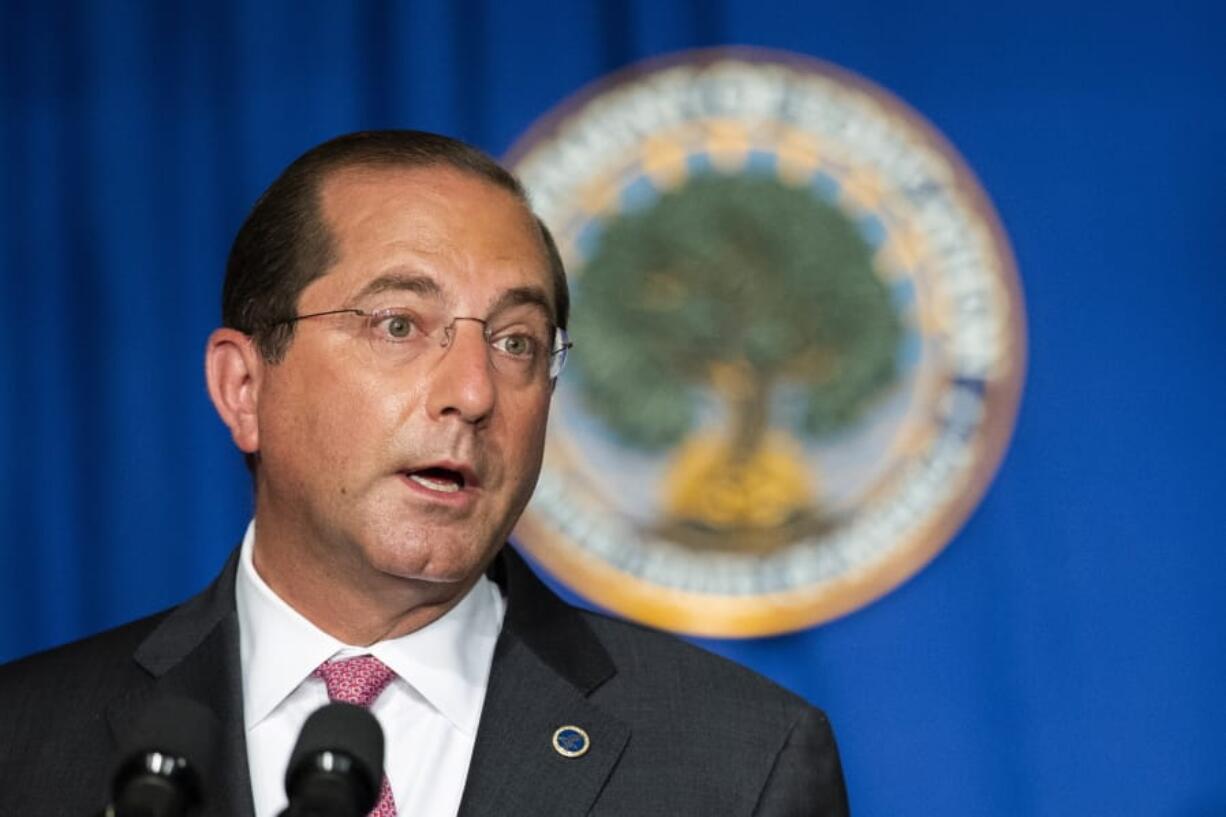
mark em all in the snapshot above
pixel 284 244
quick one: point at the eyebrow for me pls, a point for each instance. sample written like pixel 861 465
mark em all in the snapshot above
pixel 426 286
pixel 523 296
pixel 399 282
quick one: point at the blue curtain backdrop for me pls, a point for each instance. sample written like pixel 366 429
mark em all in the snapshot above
pixel 1065 655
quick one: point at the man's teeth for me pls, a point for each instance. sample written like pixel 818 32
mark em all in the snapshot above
pixel 445 485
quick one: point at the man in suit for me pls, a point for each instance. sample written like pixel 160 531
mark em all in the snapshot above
pixel 394 320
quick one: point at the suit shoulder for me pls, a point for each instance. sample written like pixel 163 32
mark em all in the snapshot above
pixel 658 659
pixel 85 662
pixel 56 702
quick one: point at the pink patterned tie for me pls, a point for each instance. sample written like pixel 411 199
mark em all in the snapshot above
pixel 359 681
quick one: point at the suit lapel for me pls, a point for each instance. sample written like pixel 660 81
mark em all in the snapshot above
pixel 194 653
pixel 546 664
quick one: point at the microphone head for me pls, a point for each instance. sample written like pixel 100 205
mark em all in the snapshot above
pixel 337 760
pixel 166 759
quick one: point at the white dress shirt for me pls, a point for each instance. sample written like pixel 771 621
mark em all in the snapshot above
pixel 429 713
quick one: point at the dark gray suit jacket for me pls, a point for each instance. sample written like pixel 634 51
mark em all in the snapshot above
pixel 674 730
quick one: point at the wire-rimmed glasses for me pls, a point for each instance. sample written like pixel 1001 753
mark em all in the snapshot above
pixel 520 345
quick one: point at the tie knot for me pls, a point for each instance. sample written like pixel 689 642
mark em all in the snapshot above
pixel 356 680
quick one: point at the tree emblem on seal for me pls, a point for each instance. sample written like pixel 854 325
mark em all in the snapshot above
pixel 734 318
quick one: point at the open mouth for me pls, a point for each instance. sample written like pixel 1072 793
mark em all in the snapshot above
pixel 443 480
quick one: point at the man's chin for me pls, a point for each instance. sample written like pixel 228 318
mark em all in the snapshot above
pixel 450 564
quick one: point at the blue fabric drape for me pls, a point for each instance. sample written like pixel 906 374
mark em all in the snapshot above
pixel 1065 654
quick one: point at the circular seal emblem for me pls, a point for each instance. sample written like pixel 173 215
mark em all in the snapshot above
pixel 799 342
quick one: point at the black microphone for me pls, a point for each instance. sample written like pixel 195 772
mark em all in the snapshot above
pixel 337 764
pixel 166 761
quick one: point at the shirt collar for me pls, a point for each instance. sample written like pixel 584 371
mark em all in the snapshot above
pixel 447 662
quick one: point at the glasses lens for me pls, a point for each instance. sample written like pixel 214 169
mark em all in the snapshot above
pixel 557 359
pixel 398 335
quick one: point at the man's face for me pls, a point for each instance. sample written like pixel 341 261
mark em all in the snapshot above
pixel 413 469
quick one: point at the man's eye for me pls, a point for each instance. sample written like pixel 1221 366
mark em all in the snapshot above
pixel 398 327
pixel 516 345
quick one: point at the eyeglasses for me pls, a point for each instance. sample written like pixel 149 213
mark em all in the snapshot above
pixel 521 345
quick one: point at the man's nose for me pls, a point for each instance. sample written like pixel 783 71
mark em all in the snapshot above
pixel 463 378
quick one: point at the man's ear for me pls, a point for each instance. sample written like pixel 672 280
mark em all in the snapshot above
pixel 233 368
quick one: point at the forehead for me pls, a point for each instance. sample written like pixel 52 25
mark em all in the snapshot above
pixel 474 238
